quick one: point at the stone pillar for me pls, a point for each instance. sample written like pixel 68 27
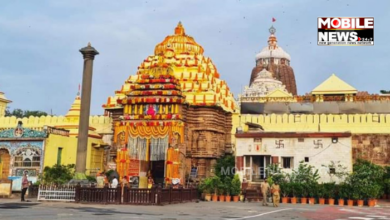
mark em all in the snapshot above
pixel 82 145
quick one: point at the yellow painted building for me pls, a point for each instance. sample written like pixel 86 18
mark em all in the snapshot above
pixel 3 104
pixel 63 148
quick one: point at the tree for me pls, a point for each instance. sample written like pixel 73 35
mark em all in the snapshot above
pixel 385 91
pixel 57 174
pixel 19 113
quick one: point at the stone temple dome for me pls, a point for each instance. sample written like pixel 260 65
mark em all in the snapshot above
pixel 263 85
pixel 277 61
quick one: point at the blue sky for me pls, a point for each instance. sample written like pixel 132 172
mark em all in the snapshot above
pixel 41 67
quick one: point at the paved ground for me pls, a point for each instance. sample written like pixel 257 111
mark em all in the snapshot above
pixel 12 209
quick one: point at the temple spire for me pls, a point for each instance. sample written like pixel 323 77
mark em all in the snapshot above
pixel 179 30
pixel 272 39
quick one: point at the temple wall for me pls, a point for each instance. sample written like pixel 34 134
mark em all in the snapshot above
pixel 102 124
pixel 372 147
pixel 371 132
pixel 355 123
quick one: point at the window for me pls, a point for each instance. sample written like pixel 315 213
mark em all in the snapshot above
pixel 59 155
pixel 301 139
pixel 332 170
pixel 27 162
pixel 306 159
pixel 287 162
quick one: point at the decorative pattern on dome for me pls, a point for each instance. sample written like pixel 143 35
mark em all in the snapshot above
pixel 179 43
pixel 195 74
pixel 263 85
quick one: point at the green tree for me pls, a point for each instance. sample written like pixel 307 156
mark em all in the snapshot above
pixel 57 174
pixel 224 168
pixel 19 113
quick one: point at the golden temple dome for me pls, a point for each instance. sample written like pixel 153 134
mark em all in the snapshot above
pixel 178 43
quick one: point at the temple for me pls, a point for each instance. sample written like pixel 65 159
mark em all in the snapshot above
pixel 275 60
pixel 173 114
pixel 334 122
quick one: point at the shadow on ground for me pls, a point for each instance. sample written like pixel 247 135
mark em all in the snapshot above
pixel 17 205
pixel 100 211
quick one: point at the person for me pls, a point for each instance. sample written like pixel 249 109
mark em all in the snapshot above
pixel 150 182
pixel 275 190
pixel 264 190
pixel 114 182
pixel 124 182
pixel 25 184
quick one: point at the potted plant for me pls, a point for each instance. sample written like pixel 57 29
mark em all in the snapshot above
pixel 373 191
pixel 206 189
pixel 304 193
pixel 295 190
pixel 312 192
pixel 235 188
pixel 286 190
pixel 329 192
pixel 341 194
pixel 227 184
pixel 221 191
pixel 215 183
pixel 321 194
pixel 358 191
pixel 349 194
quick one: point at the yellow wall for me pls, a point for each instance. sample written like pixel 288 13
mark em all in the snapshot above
pixel 69 150
pixel 355 123
pixel 101 123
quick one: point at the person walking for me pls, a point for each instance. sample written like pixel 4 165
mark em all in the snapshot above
pixel 264 190
pixel 24 186
pixel 275 190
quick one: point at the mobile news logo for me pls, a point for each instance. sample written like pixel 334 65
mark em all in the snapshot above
pixel 345 31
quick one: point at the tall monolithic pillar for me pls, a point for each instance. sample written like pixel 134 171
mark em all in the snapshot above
pixel 81 160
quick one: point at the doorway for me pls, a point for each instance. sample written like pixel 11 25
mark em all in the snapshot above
pixel 4 164
pixel 158 171
pixel 255 167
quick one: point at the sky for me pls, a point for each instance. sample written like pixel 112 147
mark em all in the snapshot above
pixel 41 66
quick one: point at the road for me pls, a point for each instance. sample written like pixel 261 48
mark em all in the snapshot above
pixel 11 209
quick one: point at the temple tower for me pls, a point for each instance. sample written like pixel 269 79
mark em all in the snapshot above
pixel 277 61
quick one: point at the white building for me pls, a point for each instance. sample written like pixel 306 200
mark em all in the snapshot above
pixel 256 150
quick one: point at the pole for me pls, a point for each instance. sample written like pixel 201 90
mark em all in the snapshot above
pixel 82 145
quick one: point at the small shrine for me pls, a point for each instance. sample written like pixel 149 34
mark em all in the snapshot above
pixel 173 115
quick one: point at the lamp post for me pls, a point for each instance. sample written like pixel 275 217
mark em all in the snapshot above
pixel 89 54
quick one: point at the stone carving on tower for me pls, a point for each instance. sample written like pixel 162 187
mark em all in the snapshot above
pixel 277 61
pixel 263 85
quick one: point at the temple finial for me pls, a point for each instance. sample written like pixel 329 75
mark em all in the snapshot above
pixel 89 44
pixel 179 30
pixel 78 93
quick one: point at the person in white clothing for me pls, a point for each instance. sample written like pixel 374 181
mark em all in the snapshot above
pixel 114 183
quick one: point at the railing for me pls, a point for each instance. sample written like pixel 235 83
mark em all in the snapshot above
pixel 120 195
pixel 56 193
pixel 125 195
pixel 33 191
